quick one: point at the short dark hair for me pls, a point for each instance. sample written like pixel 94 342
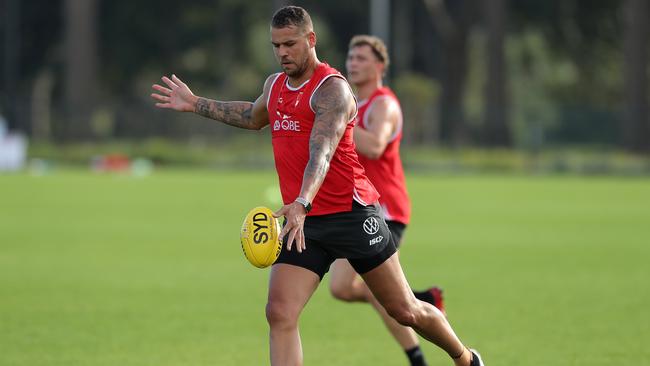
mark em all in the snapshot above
pixel 291 16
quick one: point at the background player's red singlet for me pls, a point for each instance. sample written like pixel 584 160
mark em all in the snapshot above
pixel 386 173
pixel 291 119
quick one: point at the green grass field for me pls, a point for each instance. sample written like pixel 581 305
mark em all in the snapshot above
pixel 115 270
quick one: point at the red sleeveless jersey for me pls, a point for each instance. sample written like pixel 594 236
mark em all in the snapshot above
pixel 386 173
pixel 291 119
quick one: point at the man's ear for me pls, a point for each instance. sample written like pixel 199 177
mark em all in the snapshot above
pixel 312 39
pixel 381 68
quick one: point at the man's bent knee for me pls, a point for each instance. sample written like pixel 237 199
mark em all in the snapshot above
pixel 343 292
pixel 281 315
pixel 402 313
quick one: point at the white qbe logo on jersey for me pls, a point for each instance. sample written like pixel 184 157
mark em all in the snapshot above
pixel 285 123
pixel 371 225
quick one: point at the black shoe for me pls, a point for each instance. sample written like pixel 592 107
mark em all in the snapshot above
pixel 476 358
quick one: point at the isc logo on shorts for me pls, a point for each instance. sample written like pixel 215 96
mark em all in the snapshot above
pixel 376 240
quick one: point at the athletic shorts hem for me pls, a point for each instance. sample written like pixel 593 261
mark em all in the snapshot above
pixel 365 265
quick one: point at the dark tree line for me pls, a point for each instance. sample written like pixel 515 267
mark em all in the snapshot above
pixel 79 69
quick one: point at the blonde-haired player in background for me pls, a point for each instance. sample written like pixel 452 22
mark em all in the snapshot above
pixel 377 136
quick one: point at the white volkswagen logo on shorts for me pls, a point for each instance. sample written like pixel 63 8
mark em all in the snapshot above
pixel 371 225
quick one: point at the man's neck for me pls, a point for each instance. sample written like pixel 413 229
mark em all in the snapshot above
pixel 365 90
pixel 312 64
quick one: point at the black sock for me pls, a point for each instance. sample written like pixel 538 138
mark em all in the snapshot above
pixel 424 296
pixel 416 357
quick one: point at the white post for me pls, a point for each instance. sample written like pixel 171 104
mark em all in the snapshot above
pixel 380 20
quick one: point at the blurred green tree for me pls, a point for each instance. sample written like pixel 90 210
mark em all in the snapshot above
pixel 555 72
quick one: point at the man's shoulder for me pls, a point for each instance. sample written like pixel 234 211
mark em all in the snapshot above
pixel 335 86
pixel 268 84
pixel 326 69
pixel 384 98
pixel 386 91
pixel 384 106
pixel 271 79
pixel 334 80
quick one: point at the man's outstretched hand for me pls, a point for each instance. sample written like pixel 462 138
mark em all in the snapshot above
pixel 177 96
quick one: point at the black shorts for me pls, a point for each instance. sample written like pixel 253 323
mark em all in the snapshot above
pixel 360 235
pixel 396 231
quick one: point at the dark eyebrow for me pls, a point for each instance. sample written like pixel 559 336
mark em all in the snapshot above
pixel 289 41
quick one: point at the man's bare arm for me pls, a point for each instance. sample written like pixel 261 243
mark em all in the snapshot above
pixel 334 106
pixel 237 114
pixel 381 123
pixel 251 116
pixel 178 96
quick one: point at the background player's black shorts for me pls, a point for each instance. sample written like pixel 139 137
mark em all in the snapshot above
pixel 396 231
pixel 360 235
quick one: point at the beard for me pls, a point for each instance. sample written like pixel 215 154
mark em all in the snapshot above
pixel 295 69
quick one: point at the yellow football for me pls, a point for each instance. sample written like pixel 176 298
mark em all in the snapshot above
pixel 260 237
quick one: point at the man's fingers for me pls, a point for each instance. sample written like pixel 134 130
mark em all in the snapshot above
pixel 176 80
pixel 280 212
pixel 159 97
pixel 292 236
pixel 163 105
pixel 283 232
pixel 169 83
pixel 162 89
pixel 298 244
pixel 302 239
pixel 289 243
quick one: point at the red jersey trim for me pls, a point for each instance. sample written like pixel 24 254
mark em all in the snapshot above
pixel 355 196
pixel 286 83
pixel 268 97
pixel 356 110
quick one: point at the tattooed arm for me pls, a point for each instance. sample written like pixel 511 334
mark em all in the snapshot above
pixel 178 96
pixel 238 114
pixel 335 107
